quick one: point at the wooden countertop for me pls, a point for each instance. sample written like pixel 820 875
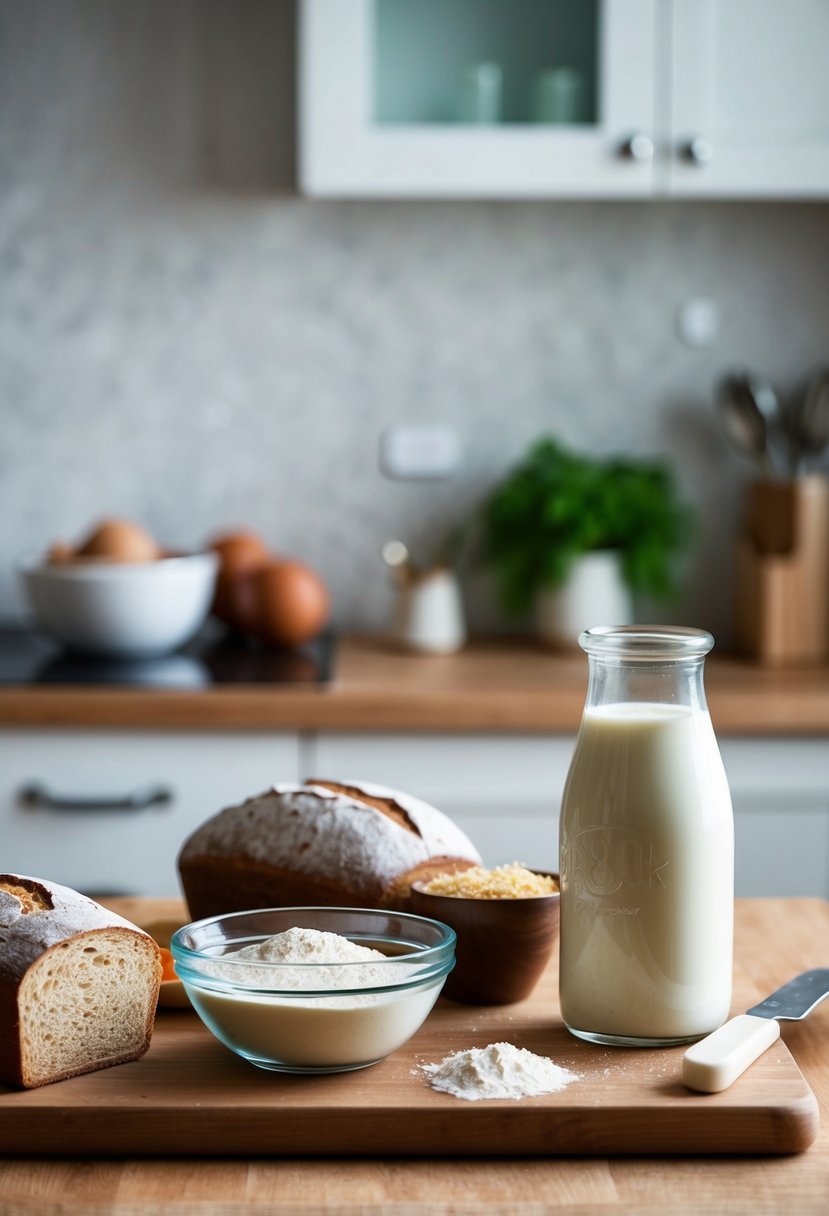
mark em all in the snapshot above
pixel 493 686
pixel 774 940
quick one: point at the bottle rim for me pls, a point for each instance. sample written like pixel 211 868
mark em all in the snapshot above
pixel 646 643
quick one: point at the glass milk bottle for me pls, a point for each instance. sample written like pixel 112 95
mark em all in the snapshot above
pixel 647 847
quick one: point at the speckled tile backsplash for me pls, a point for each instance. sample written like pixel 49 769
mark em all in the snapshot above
pixel 185 341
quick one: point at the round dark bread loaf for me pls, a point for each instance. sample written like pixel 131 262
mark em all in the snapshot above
pixel 78 984
pixel 327 843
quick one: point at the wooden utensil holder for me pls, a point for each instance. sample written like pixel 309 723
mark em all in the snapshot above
pixel 782 608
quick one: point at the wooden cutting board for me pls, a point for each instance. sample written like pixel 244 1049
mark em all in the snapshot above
pixel 189 1095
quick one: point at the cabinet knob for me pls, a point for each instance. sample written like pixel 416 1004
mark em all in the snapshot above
pixel 699 150
pixel 638 147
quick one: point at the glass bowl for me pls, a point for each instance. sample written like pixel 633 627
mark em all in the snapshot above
pixel 314 1017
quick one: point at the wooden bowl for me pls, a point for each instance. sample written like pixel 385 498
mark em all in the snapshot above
pixel 503 944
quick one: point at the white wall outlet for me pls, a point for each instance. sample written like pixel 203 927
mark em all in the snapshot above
pixel 419 450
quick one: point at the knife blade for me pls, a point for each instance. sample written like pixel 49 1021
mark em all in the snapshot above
pixel 716 1061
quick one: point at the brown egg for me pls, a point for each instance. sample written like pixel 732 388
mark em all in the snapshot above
pixel 240 554
pixel 119 540
pixel 293 602
pixel 60 553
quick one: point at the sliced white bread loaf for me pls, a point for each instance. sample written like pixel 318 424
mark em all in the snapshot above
pixel 352 843
pixel 78 984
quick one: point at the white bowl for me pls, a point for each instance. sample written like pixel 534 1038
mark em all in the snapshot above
pixel 128 609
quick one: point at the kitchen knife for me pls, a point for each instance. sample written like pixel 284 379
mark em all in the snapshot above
pixel 716 1061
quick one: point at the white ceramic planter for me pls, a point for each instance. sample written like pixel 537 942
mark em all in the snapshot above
pixel 594 594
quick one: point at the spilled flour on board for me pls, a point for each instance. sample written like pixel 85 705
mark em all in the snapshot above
pixel 500 1070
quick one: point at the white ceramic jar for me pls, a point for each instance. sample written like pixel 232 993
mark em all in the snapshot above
pixel 429 613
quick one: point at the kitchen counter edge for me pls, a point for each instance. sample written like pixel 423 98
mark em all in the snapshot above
pixel 497 686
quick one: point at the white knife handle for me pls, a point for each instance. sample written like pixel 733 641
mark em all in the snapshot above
pixel 717 1061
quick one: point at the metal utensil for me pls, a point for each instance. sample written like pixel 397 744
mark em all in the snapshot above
pixel 811 421
pixel 752 416
pixel 716 1061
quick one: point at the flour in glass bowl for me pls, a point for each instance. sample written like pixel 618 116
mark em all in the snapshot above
pixel 303 1001
pixel 325 951
pixel 500 1070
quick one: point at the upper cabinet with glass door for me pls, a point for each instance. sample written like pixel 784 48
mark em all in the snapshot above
pixel 477 98
pixel 558 98
pixel 750 98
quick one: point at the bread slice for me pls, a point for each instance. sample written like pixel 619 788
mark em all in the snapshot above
pixel 78 984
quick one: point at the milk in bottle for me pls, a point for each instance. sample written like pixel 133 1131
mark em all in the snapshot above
pixel 647 846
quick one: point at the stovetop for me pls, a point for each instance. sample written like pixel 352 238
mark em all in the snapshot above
pixel 213 658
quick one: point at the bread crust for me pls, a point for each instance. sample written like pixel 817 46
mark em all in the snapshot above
pixel 328 843
pixel 49 917
pixel 397 894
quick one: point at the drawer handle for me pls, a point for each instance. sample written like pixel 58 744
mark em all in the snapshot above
pixel 38 797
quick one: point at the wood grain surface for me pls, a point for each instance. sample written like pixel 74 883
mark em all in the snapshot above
pixel 774 940
pixel 497 686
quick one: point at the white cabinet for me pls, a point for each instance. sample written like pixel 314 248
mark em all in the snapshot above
pixel 780 792
pixel 65 810
pixel 749 98
pixel 65 800
pixel 389 91
pixel 587 98
pixel 504 791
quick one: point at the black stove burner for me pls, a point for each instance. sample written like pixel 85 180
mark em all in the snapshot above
pixel 213 658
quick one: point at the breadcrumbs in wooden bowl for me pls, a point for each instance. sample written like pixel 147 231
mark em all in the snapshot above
pixel 512 881
pixel 506 920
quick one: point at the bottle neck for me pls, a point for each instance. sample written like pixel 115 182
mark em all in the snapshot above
pixel 613 681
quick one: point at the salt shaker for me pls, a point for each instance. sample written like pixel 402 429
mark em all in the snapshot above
pixel 646 847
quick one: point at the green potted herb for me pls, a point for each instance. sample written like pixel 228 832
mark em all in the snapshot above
pixel 562 526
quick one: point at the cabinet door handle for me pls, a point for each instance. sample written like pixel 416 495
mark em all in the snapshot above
pixel 699 150
pixel 38 797
pixel 638 147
